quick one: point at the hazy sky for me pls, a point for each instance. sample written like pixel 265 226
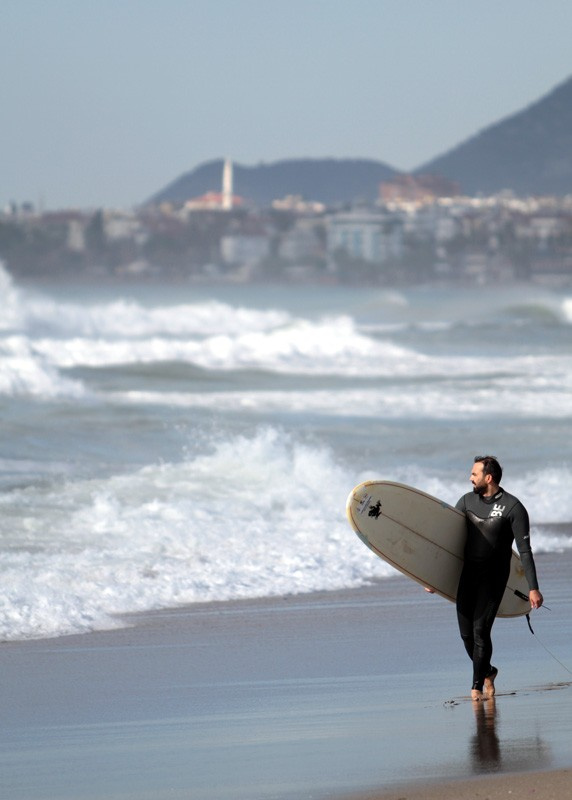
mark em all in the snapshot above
pixel 104 102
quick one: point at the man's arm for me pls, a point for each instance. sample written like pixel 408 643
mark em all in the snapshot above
pixel 521 531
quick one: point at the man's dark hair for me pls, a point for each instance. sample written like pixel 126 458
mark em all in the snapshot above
pixel 490 467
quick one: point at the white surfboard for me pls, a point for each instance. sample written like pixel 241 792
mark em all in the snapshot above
pixel 424 538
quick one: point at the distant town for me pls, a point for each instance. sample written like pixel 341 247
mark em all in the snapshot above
pixel 420 229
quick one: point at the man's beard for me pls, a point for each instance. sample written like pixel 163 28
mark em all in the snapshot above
pixel 480 490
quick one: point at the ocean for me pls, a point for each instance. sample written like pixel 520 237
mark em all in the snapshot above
pixel 173 444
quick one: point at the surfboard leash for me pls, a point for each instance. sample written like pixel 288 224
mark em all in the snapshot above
pixel 541 643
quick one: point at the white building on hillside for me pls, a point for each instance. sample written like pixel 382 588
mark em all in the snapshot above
pixel 244 248
pixel 366 235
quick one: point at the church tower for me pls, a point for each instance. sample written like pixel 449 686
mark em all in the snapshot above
pixel 227 185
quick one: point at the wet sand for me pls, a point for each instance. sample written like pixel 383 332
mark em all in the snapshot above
pixel 554 785
pixel 360 694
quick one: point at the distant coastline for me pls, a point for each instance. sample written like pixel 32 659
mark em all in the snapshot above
pixel 398 241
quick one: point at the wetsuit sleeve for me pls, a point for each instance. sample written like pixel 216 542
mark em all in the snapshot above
pixel 461 504
pixel 521 531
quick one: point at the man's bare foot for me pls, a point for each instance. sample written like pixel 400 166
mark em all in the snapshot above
pixel 476 695
pixel 489 687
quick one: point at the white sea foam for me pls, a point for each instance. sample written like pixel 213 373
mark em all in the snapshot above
pixel 328 347
pixel 255 517
pixel 129 319
pixel 445 401
pixel 218 336
pixel 567 309
pixel 26 312
pixel 25 373
pixel 10 302
pixel 534 385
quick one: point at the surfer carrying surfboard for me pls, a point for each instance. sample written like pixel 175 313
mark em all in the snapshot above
pixel 495 519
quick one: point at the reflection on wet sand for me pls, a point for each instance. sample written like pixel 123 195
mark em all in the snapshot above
pixel 490 753
pixel 485 745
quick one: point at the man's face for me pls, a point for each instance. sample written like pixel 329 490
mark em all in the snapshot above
pixel 479 480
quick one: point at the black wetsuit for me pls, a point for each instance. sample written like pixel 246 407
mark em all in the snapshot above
pixel 493 523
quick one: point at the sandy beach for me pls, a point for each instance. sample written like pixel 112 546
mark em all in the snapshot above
pixel 360 694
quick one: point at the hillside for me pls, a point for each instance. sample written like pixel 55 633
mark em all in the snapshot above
pixel 529 152
pixel 329 181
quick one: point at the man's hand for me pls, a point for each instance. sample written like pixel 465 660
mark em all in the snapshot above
pixel 536 599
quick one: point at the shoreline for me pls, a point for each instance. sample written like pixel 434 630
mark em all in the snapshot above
pixel 548 785
pixel 361 694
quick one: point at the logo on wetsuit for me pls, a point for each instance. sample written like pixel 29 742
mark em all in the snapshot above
pixel 497 510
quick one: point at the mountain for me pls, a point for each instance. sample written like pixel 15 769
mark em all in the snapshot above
pixel 529 152
pixel 327 180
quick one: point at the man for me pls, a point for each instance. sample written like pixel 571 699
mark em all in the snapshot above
pixel 494 519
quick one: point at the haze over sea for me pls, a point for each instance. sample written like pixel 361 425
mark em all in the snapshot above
pixel 165 445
